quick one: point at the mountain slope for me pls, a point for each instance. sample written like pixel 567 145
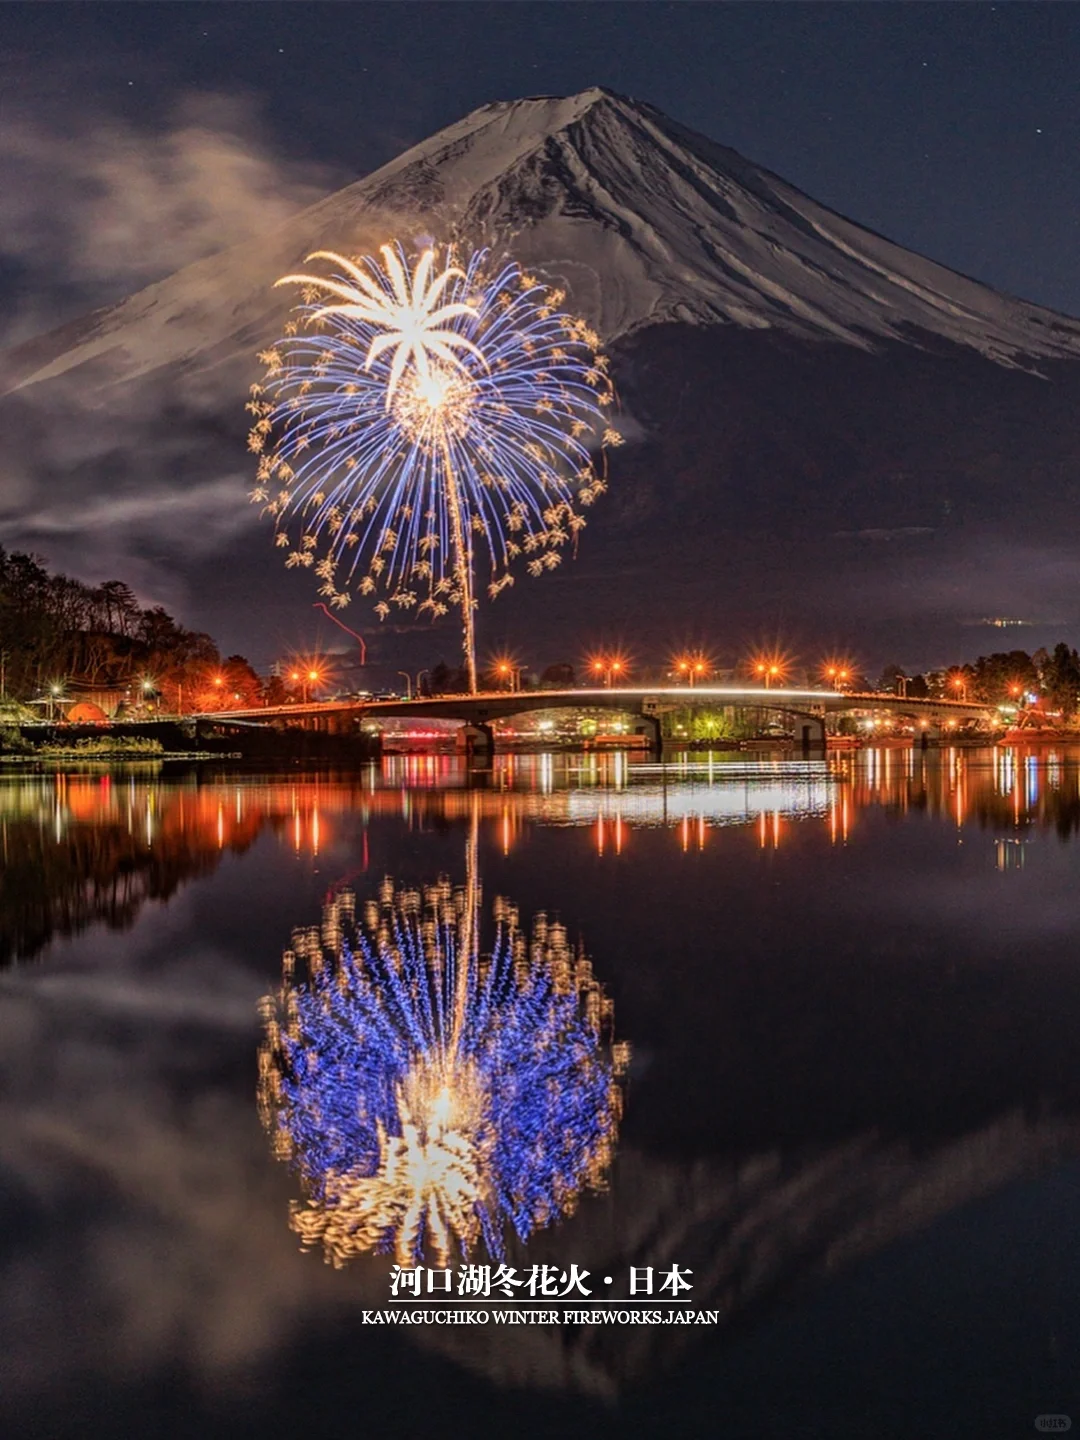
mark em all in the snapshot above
pixel 647 221
pixel 875 445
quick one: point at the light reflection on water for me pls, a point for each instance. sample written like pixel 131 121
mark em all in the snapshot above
pixel 430 1092
pixel 848 987
pixel 96 844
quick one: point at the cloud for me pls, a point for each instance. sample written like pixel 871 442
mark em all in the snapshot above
pixel 185 1252
pixel 86 224
pixel 197 516
pixel 135 480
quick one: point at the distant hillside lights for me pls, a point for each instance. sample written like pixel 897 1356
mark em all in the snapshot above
pixel 412 414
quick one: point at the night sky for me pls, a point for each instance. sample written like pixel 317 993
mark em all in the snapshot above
pixel 952 129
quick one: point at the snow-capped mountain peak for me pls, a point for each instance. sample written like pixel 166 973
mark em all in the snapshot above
pixel 646 221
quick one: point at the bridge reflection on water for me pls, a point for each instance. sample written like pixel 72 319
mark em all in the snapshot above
pixel 94 846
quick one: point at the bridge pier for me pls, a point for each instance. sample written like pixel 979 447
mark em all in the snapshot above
pixel 478 742
pixel 809 732
pixel 649 726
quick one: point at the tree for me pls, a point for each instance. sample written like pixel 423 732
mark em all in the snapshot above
pixel 996 678
pixel 557 677
pixel 276 692
pixel 242 687
pixel 444 681
pixel 1061 679
pixel 890 680
pixel 55 628
pixel 120 609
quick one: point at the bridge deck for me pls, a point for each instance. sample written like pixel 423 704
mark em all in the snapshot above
pixel 646 699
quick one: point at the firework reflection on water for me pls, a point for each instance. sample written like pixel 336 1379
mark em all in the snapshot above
pixel 432 1097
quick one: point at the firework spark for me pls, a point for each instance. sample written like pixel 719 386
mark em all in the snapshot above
pixel 420 413
pixel 431 1096
pixel 406 311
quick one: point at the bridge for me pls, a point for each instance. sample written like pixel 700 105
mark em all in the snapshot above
pixel 806 708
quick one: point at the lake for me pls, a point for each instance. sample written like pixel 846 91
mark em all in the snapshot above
pixel 802 1032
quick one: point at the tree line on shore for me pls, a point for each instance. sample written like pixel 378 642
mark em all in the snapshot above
pixel 1007 677
pixel 61 635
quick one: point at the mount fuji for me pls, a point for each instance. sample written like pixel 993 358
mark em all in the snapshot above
pixel 827 431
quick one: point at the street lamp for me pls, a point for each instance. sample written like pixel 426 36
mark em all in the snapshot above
pixel 768 671
pixel 694 667
pixel 408 683
pixel 959 684
pixel 611 667
pixel 305 679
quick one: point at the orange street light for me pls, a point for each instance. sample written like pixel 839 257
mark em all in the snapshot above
pixel 609 666
pixel 310 676
pixel 770 668
pixel 693 667
pixel 507 673
pixel 768 671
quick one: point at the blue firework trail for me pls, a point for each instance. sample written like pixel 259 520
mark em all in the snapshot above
pixel 391 448
pixel 428 1094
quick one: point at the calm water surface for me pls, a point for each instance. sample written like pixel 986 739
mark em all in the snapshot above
pixel 851 997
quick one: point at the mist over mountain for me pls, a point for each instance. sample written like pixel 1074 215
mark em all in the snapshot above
pixel 830 438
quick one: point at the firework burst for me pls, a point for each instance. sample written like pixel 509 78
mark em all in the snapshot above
pixel 431 1096
pixel 411 417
